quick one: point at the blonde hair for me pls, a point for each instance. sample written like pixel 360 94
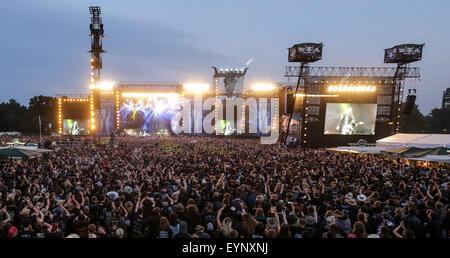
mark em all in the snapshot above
pixel 227 227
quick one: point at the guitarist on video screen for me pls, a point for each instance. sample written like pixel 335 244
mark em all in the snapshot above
pixel 347 123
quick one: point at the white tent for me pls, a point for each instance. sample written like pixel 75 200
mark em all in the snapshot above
pixel 415 140
pixel 434 158
pixel 360 149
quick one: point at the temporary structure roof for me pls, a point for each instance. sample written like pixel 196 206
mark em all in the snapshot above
pixel 401 140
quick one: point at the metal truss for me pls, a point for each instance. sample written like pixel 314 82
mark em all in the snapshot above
pixel 381 72
pixel 72 96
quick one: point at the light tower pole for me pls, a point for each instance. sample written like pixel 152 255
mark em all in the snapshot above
pixel 303 53
pixel 97 34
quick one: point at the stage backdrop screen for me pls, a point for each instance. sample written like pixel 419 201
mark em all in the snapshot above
pixel 350 119
pixel 75 127
pixel 150 113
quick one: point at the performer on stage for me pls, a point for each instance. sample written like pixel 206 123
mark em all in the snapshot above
pixel 228 129
pixel 347 123
pixel 75 128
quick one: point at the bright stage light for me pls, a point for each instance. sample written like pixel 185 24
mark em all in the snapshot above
pixel 149 95
pixel 263 87
pixel 317 95
pixel 103 86
pixel 351 88
pixel 192 87
pixel 160 107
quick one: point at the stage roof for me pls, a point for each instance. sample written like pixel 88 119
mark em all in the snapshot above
pixel 416 140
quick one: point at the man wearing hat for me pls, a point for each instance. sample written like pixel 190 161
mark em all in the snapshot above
pixel 13 232
pixel 361 198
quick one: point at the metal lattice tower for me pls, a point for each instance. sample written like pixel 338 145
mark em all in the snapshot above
pixel 97 34
pixel 397 95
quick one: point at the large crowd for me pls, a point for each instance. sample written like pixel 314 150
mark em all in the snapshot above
pixel 185 187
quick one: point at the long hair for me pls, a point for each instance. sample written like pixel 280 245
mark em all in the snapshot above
pixel 334 228
pixel 173 218
pixel 259 212
pixel 164 224
pixel 285 231
pixel 192 209
pixel 227 227
pixel 249 223
pixel 359 229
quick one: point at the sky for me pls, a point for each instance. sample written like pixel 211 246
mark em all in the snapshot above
pixel 44 43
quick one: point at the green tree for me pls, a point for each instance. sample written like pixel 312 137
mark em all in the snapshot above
pixel 415 122
pixel 47 108
pixel 13 117
pixel 438 120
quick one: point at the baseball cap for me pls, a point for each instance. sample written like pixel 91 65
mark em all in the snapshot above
pixel 12 231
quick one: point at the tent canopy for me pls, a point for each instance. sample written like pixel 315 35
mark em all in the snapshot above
pixel 359 149
pixel 21 153
pixel 417 152
pixel 416 140
pixel 434 158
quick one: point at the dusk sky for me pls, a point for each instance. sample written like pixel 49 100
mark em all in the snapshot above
pixel 44 43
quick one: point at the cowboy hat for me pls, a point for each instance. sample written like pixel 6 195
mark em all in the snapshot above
pixel 349 196
pixel 351 202
pixel 361 198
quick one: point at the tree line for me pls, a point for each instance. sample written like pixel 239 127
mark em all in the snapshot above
pixel 17 117
pixel 437 121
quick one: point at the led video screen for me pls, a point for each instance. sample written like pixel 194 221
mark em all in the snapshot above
pixel 350 119
pixel 75 127
pixel 149 112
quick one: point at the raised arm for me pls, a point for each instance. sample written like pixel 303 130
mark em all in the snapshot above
pixel 82 199
pixel 65 210
pixel 315 213
pixel 395 231
pixel 77 204
pixel 219 214
pixel 283 212
pixel 277 218
pixel 8 217
pixel 138 201
pixel 124 210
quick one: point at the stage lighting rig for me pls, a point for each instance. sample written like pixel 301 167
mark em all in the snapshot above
pixel 304 53
pixel 401 55
pixel 352 88
pixel 195 87
pixel 263 87
pixel 230 77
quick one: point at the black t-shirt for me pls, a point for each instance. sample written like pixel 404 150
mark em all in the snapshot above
pixel 27 234
pixel 137 227
pixel 154 224
pixel 296 231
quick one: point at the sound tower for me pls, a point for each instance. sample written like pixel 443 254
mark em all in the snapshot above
pixel 409 104
pixel 289 103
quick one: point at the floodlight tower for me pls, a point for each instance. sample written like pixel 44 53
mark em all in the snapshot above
pixel 304 53
pixel 401 55
pixel 97 34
